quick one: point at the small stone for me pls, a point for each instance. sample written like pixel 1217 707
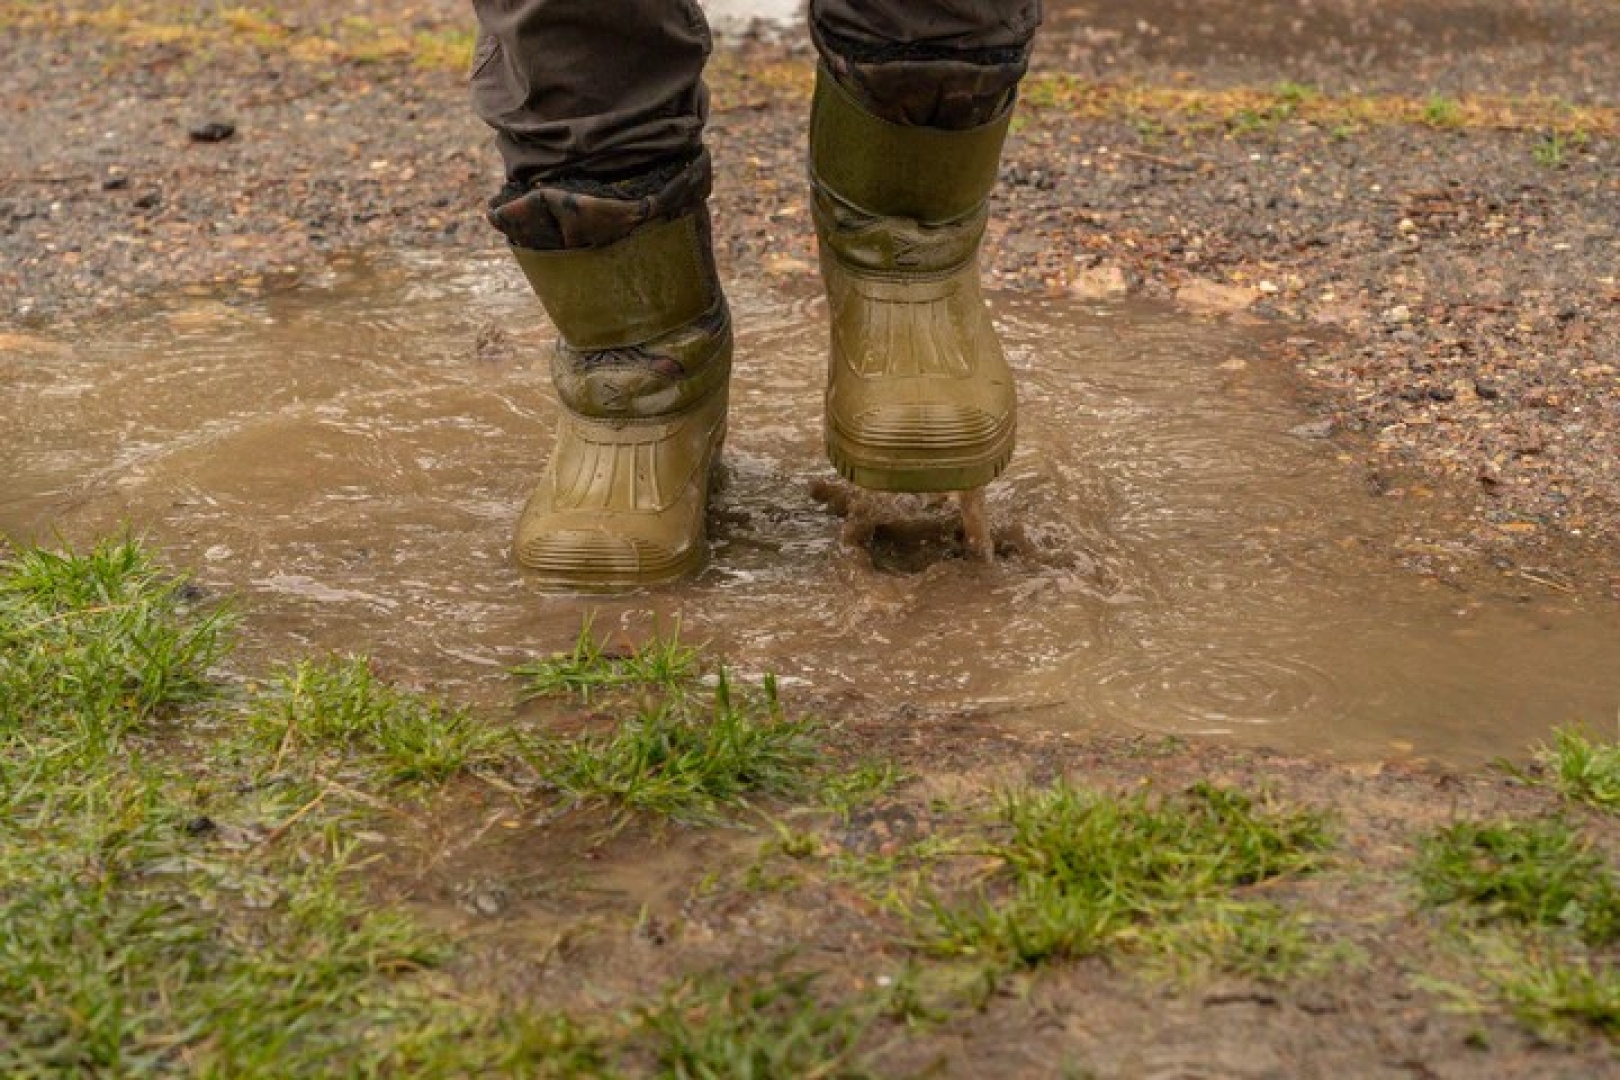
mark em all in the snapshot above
pixel 1099 283
pixel 212 132
pixel 1398 315
pixel 1216 296
pixel 1269 288
pixel 1487 390
pixel 1316 429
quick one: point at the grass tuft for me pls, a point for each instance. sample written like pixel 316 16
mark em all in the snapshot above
pixel 1256 940
pixel 1536 901
pixel 339 706
pixel 94 645
pixel 663 664
pixel 133 946
pixel 1528 873
pixel 689 759
pixel 1442 112
pixel 1552 991
pixel 1553 149
pixel 1083 872
pixel 845 792
pixel 770 1026
pixel 1582 768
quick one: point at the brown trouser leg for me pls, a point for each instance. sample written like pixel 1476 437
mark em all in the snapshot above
pixel 606 97
pixel 599 87
pixel 945 24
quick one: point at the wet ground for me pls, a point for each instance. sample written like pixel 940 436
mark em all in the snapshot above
pixel 1180 552
pixel 1558 49
pixel 1563 48
pixel 1410 564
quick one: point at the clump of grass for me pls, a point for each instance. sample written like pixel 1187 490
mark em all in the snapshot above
pixel 1248 121
pixel 1536 899
pixel 134 945
pixel 1083 872
pixel 1442 112
pixel 1551 991
pixel 151 923
pixel 1528 873
pixel 1282 104
pixel 443 50
pixel 1257 940
pixel 1294 93
pixel 95 644
pixel 133 948
pixel 688 759
pixel 663 664
pixel 339 706
pixel 1583 768
pixel 764 1026
pixel 845 792
pixel 1048 90
pixel 1554 148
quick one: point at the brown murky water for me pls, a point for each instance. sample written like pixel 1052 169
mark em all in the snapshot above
pixel 349 460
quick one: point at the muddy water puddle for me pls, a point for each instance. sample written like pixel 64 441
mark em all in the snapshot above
pixel 349 460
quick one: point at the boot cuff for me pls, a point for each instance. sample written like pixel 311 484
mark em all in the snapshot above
pixel 581 212
pixel 923 86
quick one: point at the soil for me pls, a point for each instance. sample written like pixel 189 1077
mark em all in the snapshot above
pixel 1458 275
pixel 578 915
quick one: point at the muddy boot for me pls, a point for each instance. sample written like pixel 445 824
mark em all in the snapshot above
pixel 641 369
pixel 919 394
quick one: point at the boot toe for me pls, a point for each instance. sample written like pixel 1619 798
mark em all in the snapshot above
pixel 932 429
pixel 921 447
pixel 599 558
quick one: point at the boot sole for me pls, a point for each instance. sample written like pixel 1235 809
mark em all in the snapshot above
pixel 930 475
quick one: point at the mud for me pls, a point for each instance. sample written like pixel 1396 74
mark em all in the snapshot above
pixel 1563 48
pixel 1179 552
pixel 1559 49
pixel 569 912
pixel 1405 571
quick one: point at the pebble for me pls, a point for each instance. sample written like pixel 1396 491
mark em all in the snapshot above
pixel 213 131
pixel 1316 429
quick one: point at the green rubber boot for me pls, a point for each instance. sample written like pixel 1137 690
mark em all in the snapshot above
pixel 641 369
pixel 919 394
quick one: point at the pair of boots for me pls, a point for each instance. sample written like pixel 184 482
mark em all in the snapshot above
pixel 919 394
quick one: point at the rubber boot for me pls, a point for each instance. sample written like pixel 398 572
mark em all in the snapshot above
pixel 642 370
pixel 919 394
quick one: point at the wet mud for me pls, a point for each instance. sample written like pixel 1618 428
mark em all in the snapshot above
pixel 1454 46
pixel 1178 550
